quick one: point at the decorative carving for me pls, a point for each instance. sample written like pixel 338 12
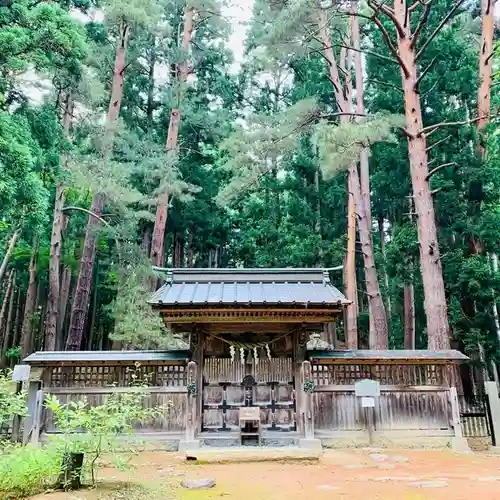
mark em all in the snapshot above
pixel 195 339
pixel 248 381
pixel 302 337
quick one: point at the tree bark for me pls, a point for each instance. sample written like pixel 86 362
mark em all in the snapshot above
pixel 409 316
pixel 351 286
pixel 6 317
pixel 64 295
pixel 29 308
pixel 430 262
pixel 8 253
pixel 160 226
pixel 485 67
pixel 379 335
pixel 151 85
pixel 388 303
pixel 53 298
pixel 343 96
pixel 17 322
pixel 190 252
pixel 81 298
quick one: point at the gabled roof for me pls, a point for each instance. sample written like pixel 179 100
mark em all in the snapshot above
pixel 109 357
pixel 421 355
pixel 247 287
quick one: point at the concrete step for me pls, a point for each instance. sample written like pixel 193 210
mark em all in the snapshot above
pixel 238 454
pixel 232 439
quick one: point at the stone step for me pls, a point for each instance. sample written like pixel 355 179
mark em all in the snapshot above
pixel 251 454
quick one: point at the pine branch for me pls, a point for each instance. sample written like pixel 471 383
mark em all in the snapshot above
pixel 387 39
pixel 382 7
pixel 440 167
pixel 424 72
pixel 421 24
pixel 437 143
pixel 439 28
pixel 362 51
pixel 432 128
pixel 89 212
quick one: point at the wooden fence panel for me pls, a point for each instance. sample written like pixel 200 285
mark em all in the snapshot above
pixel 340 410
pixel 174 419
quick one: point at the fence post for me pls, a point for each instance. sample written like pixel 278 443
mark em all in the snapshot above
pixel 307 408
pixel 33 388
pixel 459 442
pixel 193 392
pixel 491 389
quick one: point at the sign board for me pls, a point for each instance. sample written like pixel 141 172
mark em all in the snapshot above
pixel 250 413
pixel 36 373
pixel 21 373
pixel 367 388
pixel 367 402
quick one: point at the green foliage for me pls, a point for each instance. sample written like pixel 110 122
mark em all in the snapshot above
pixel 96 429
pixel 28 470
pixel 11 403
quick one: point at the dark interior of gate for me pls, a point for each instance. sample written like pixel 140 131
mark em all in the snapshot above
pixel 259 378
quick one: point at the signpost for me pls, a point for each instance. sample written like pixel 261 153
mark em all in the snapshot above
pixel 368 390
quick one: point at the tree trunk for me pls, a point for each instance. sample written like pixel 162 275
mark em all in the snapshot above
pixel 56 243
pixel 158 243
pixel 430 262
pixel 485 67
pixel 190 253
pixel 409 316
pixel 146 240
pixel 6 317
pixel 81 298
pixel 388 303
pixel 29 308
pixel 343 96
pixel 65 288
pixel 364 166
pixel 10 249
pixel 151 85
pixel 17 322
pixel 351 287
pixel 379 335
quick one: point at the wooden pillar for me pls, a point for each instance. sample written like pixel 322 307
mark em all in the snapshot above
pixel 307 410
pixel 197 345
pixel 32 420
pixel 299 338
pixel 192 399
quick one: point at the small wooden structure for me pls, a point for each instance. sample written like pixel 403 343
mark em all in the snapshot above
pixel 248 348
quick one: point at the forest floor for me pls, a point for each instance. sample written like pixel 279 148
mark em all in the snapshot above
pixel 351 474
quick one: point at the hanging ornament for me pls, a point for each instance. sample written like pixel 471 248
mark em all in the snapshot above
pixel 232 352
pixel 242 355
pixel 255 356
pixel 268 351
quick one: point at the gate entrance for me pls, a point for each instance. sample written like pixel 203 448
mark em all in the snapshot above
pixel 267 384
pixel 475 416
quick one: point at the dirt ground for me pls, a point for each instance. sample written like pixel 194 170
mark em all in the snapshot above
pixel 353 474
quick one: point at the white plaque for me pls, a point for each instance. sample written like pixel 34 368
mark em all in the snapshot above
pixel 367 388
pixel 21 373
pixel 367 402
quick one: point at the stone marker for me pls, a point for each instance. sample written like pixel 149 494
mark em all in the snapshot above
pixel 429 484
pixel 198 484
pixel 378 457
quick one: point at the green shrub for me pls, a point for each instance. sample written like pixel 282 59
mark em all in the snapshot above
pixel 26 470
pixel 98 429
pixel 11 403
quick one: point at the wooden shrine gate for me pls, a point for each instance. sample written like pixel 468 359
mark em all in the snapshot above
pixel 228 385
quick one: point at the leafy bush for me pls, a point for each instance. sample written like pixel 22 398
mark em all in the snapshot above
pixel 26 470
pixel 96 429
pixel 10 403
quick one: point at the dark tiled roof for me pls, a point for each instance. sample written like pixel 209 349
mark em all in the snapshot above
pixel 106 356
pixel 247 287
pixel 396 354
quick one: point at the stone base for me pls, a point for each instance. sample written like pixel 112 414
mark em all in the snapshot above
pixel 460 445
pixel 189 445
pixel 310 444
